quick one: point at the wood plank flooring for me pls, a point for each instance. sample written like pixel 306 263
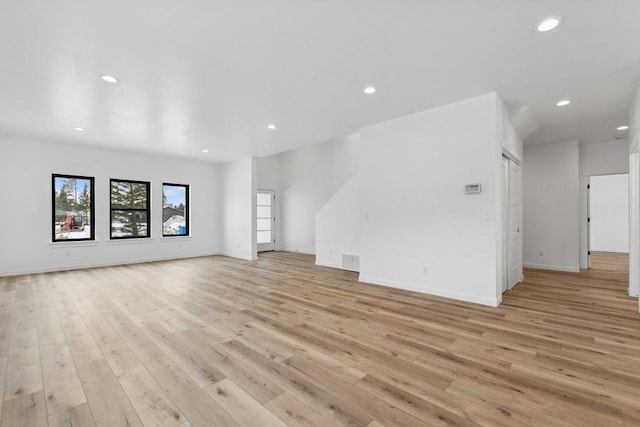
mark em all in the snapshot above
pixel 220 342
pixel 610 261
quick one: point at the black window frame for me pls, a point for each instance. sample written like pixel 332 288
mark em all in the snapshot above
pixel 187 209
pixel 147 210
pixel 92 209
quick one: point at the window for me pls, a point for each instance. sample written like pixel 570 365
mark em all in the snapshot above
pixel 72 208
pixel 175 210
pixel 130 209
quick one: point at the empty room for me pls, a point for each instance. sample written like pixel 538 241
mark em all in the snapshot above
pixel 319 213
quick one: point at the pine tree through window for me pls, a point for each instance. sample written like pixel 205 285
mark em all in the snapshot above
pixel 72 208
pixel 130 209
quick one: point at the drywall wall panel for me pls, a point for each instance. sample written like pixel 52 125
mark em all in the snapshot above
pixel 551 206
pixel 337 225
pixel 609 213
pixel 238 209
pixel 604 158
pixel 419 230
pixel 25 240
pixel 306 179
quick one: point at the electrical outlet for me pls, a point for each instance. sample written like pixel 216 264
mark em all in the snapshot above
pixel 541 253
pixel 425 270
pixel 330 251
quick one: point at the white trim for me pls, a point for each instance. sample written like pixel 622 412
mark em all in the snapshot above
pixel 103 264
pixel 175 238
pixel 492 302
pixel 553 268
pixel 507 154
pixel 71 244
pixel 331 265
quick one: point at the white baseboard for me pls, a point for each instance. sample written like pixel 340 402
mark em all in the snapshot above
pixel 331 265
pixel 492 302
pixel 102 264
pixel 553 267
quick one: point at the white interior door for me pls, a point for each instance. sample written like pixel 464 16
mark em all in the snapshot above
pixel 514 251
pixel 265 220
pixel 505 224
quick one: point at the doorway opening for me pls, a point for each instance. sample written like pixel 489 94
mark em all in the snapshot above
pixel 608 222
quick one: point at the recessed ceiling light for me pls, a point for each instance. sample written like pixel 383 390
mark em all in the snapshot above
pixel 549 24
pixel 625 127
pixel 109 79
pixel 272 127
pixel 370 90
pixel 205 151
pixel 563 103
pixel 79 129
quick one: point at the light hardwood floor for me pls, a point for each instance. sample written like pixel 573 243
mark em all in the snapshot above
pixel 216 341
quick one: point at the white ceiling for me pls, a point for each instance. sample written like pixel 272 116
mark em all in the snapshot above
pixel 213 74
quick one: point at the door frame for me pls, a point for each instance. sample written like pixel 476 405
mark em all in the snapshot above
pixel 271 246
pixel 507 182
pixel 504 227
pixel 511 280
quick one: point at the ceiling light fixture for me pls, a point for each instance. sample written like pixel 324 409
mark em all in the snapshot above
pixel 205 151
pixel 624 127
pixel 109 79
pixel 272 127
pixel 79 129
pixel 549 24
pixel 370 90
pixel 563 103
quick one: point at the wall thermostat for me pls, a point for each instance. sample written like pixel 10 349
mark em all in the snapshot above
pixel 472 188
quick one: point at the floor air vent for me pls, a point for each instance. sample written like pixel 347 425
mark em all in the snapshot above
pixel 351 262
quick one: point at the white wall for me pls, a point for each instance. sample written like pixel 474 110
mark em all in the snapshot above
pixel 25 171
pixel 634 120
pixel 418 229
pixel 337 225
pixel 551 206
pixel 609 213
pixel 605 158
pixel 238 190
pixel 306 179
pixel 511 142
pixel 268 177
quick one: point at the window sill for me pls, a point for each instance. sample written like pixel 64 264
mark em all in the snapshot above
pixel 72 244
pixel 175 238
